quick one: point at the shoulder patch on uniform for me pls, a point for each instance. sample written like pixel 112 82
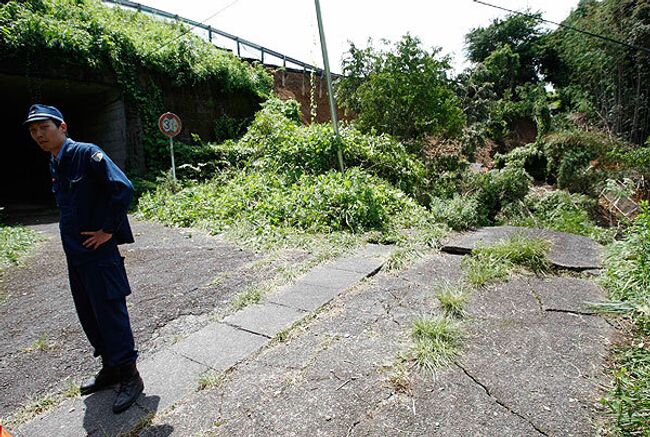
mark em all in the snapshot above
pixel 97 156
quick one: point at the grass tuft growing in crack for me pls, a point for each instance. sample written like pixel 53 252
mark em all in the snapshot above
pixel 249 296
pixel 400 378
pixel 494 263
pixel 34 408
pixel 211 379
pixel 437 340
pixel 453 300
pixel 40 344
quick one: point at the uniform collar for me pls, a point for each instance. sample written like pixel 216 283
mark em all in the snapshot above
pixel 63 146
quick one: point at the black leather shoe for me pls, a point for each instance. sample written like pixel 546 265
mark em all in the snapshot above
pixel 107 377
pixel 130 388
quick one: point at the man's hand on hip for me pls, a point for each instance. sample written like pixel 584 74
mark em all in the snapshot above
pixel 96 239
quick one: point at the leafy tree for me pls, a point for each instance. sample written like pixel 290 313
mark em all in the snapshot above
pixel 403 91
pixel 507 56
pixel 608 81
pixel 512 46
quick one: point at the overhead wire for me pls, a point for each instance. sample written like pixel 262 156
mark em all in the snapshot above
pixel 566 26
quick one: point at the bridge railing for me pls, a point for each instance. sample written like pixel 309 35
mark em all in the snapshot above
pixel 240 43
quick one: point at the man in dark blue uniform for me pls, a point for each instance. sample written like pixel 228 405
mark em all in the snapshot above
pixel 93 195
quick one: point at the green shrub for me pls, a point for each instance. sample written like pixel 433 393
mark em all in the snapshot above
pixel 578 160
pixel 459 212
pixel 496 189
pixel 354 201
pixel 558 210
pixel 402 91
pixel 529 157
pixel 627 280
pixel 281 143
pixel 627 264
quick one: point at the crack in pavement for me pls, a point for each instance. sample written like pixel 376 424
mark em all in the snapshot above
pixel 538 298
pixel 369 413
pixel 577 313
pixel 498 401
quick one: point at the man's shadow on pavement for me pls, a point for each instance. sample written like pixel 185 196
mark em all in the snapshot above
pixel 99 418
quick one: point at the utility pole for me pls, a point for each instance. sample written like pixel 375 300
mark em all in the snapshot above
pixel 330 92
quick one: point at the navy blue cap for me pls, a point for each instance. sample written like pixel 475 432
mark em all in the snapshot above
pixel 40 112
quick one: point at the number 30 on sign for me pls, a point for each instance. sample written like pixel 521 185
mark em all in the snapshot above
pixel 170 124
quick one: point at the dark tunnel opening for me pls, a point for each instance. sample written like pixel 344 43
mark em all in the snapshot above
pixel 94 113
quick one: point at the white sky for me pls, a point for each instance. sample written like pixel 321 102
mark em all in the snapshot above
pixel 290 27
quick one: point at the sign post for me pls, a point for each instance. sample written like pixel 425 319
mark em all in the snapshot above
pixel 170 125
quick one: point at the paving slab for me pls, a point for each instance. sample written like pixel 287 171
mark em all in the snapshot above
pixel 265 319
pixel 558 293
pixel 439 270
pixel 367 260
pixel 567 251
pixel 303 296
pixel 524 370
pixel 168 376
pixel 81 416
pixel 449 405
pixel 332 278
pixel 219 346
pixel 546 368
pixel 511 300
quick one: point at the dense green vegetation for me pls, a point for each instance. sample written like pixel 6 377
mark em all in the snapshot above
pixel 15 243
pixel 608 82
pixel 627 278
pixel 404 91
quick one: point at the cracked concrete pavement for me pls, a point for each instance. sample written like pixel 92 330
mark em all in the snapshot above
pixel 532 364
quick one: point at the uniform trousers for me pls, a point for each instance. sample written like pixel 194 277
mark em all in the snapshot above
pixel 99 289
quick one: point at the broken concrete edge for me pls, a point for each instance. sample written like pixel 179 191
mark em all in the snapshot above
pixel 555 265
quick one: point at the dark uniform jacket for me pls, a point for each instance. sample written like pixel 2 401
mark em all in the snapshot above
pixel 92 194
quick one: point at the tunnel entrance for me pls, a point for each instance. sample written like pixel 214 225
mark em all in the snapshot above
pixel 94 113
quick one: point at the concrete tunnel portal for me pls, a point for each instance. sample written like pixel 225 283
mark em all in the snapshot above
pixel 94 113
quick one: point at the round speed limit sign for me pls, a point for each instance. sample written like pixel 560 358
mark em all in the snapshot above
pixel 170 124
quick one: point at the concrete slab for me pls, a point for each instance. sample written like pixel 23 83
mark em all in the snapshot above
pixel 512 300
pixel 304 296
pixel 368 259
pixel 547 368
pixel 168 377
pixel 219 346
pixel 523 368
pixel 567 251
pixel 557 293
pixel 84 416
pixel 265 319
pixel 449 405
pixel 332 278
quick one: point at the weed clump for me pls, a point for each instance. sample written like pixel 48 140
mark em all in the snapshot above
pixel 494 263
pixel 558 210
pixel 453 300
pixel 437 341
pixel 15 243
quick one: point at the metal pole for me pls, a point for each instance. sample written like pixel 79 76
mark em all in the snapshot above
pixel 326 62
pixel 171 149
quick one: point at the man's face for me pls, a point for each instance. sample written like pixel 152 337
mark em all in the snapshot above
pixel 47 135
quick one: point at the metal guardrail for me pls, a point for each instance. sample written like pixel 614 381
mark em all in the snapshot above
pixel 240 42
